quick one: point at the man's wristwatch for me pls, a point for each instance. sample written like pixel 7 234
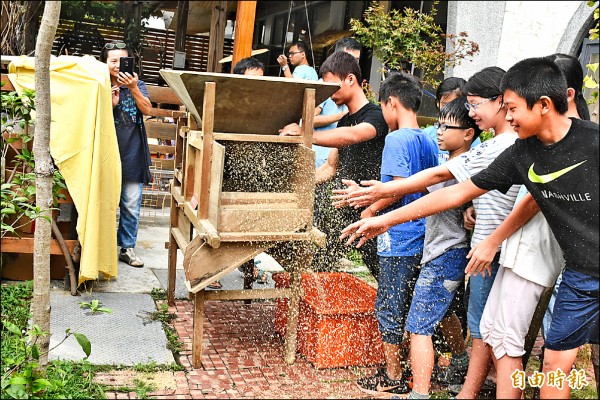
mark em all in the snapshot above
pixel 284 67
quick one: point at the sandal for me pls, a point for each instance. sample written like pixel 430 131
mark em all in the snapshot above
pixel 215 285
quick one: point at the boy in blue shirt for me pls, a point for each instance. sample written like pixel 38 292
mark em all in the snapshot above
pixel 407 151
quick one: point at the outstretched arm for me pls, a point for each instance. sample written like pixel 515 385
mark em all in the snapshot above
pixel 375 190
pixel 483 253
pixel 433 203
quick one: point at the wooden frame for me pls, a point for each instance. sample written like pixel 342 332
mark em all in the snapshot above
pixel 216 220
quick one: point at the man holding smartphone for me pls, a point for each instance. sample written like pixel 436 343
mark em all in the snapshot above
pixel 130 102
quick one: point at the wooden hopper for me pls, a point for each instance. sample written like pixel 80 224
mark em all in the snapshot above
pixel 239 188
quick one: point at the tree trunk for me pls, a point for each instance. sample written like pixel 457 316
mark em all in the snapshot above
pixel 40 304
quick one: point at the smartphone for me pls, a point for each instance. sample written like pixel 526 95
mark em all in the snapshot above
pixel 126 65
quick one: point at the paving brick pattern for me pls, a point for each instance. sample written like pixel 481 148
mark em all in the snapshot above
pixel 243 359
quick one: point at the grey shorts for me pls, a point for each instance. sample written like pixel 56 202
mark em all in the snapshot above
pixel 508 313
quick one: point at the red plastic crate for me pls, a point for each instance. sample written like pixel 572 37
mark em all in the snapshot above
pixel 337 325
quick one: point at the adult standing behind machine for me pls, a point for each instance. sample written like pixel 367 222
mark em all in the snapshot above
pixel 299 60
pixel 130 102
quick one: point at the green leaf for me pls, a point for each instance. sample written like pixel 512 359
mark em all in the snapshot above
pixel 592 67
pixel 18 380
pixel 35 352
pixel 85 344
pixel 589 83
pixel 12 327
pixel 40 384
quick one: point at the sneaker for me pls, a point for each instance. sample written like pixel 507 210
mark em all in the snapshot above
pixel 454 374
pixel 381 385
pixel 129 257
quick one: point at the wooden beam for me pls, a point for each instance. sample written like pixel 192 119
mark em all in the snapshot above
pixel 217 35
pixel 25 245
pixel 247 294
pixel 244 31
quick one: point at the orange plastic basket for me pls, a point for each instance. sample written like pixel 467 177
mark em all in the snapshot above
pixel 337 325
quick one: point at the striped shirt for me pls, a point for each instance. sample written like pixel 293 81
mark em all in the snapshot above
pixel 492 207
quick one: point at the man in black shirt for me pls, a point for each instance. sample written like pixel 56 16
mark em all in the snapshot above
pixel 360 137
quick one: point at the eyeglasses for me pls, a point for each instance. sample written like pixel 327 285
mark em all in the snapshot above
pixel 111 46
pixel 470 106
pixel 444 127
pixel 291 53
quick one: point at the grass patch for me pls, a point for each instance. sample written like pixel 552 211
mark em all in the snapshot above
pixel 67 379
pixel 163 315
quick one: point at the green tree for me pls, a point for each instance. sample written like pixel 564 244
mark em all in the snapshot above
pixel 411 40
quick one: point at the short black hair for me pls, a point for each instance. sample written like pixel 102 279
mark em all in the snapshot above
pixel 535 77
pixel 341 64
pixel 571 69
pixel 302 46
pixel 104 51
pixel 248 63
pixel 403 86
pixel 485 83
pixel 448 86
pixel 457 111
pixel 347 43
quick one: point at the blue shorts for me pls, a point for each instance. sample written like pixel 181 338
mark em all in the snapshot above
pixel 437 284
pixel 397 279
pixel 575 315
pixel 479 290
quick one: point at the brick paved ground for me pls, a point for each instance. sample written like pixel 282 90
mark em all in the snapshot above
pixel 243 358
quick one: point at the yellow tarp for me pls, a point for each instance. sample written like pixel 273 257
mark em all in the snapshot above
pixel 83 144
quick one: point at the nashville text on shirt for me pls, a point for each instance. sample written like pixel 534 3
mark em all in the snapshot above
pixel 567 197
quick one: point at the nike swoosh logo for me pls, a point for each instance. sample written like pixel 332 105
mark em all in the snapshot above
pixel 385 388
pixel 535 178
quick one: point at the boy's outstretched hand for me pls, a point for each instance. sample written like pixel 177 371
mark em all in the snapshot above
pixel 358 196
pixel 339 200
pixel 480 258
pixel 364 230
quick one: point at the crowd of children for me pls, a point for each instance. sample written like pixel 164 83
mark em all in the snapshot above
pixel 543 156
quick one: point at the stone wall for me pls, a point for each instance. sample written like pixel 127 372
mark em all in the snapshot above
pixel 509 31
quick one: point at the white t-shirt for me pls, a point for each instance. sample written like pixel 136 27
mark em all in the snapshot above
pixel 492 207
pixel 532 252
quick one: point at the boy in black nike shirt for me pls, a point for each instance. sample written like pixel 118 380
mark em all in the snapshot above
pixel 556 158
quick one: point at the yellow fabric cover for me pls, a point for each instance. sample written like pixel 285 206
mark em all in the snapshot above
pixel 83 144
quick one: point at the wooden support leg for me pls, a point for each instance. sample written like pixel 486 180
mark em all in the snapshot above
pixel 536 324
pixel 302 261
pixel 198 329
pixel 248 268
pixel 172 265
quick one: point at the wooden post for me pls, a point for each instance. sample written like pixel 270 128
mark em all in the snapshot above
pixel 536 324
pixel 303 258
pixel 244 31
pixel 217 35
pixel 172 265
pixel 208 120
pixel 308 117
pixel 198 329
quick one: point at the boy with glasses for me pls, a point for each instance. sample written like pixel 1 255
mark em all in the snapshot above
pixel 444 255
pixel 298 59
